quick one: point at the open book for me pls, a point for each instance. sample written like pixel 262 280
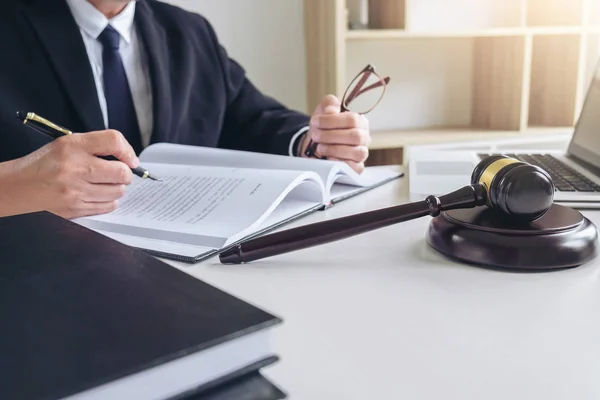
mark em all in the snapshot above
pixel 211 199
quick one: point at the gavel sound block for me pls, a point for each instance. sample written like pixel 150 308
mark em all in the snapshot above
pixel 530 232
pixel 562 238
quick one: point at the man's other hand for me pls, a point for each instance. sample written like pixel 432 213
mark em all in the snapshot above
pixel 67 177
pixel 341 136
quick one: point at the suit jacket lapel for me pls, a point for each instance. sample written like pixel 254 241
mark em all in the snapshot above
pixel 59 34
pixel 154 40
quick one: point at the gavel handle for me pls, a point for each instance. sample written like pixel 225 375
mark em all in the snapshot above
pixel 345 227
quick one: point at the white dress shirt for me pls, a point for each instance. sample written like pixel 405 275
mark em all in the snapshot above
pixel 92 23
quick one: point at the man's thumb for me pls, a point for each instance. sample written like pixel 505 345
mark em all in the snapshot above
pixel 331 105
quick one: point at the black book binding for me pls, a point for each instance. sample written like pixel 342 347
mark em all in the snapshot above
pixel 81 312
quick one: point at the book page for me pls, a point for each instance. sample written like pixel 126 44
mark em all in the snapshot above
pixel 169 153
pixel 370 176
pixel 329 171
pixel 380 175
pixel 204 207
pixel 289 209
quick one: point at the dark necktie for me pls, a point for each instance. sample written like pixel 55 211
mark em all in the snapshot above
pixel 119 101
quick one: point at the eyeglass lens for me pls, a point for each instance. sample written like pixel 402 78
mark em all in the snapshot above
pixel 364 93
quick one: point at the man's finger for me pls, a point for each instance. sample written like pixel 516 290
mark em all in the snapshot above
pixel 90 209
pixel 347 120
pixel 353 137
pixel 103 193
pixel 98 171
pixel 331 105
pixel 109 143
pixel 353 153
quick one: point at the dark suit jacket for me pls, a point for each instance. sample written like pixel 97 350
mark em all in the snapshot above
pixel 201 97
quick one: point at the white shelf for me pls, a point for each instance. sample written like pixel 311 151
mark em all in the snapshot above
pixel 500 69
pixel 400 139
pixel 382 34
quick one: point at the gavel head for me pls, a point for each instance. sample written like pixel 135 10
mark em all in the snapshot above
pixel 520 190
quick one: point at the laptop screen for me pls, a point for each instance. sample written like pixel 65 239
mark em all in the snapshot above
pixel 586 137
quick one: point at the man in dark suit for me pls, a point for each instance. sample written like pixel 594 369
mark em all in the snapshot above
pixel 153 72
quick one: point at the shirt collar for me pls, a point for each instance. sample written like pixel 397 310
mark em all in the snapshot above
pixel 93 22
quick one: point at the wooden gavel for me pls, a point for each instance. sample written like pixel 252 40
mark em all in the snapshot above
pixel 520 191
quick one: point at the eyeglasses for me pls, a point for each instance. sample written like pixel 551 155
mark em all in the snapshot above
pixel 363 94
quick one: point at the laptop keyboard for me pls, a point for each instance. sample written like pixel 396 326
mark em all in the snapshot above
pixel 565 178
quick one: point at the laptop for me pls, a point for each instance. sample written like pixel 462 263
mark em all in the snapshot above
pixel 574 170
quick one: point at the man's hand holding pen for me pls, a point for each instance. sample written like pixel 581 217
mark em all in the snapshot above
pixel 68 177
pixel 339 136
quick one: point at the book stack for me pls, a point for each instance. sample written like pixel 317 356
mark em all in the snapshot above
pixel 87 317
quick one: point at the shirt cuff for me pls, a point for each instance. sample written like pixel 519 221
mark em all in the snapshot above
pixel 294 142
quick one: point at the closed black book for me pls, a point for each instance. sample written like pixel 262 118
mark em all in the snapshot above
pixel 84 316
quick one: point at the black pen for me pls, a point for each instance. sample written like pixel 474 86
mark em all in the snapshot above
pixel 54 131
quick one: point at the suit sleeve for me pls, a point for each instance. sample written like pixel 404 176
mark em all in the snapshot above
pixel 253 120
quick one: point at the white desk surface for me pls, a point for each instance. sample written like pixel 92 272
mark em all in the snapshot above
pixel 382 316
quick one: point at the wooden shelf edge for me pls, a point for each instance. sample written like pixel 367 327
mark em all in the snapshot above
pixel 382 34
pixel 399 139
